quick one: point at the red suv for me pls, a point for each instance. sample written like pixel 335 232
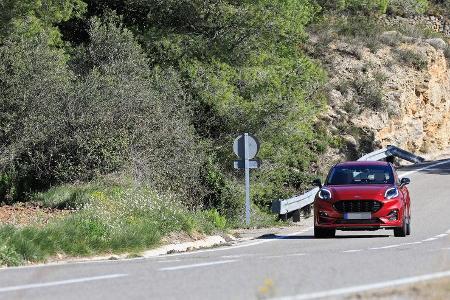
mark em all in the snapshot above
pixel 362 196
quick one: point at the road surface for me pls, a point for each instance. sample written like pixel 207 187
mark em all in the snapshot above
pixel 293 266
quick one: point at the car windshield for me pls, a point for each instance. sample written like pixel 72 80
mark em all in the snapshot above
pixel 342 175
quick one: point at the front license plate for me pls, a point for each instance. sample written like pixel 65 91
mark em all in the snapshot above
pixel 358 216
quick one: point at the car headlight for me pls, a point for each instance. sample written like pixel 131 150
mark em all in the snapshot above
pixel 391 193
pixel 324 194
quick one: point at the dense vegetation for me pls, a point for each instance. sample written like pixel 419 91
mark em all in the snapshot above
pixel 150 94
pixel 155 91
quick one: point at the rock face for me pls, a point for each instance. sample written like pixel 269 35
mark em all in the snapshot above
pixel 398 95
pixel 422 119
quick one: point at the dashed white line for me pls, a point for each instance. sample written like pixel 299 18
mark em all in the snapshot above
pixel 441 235
pixel 213 263
pixel 367 287
pixel 168 261
pixel 56 283
pixel 430 239
pixel 352 251
pixel 236 256
pixel 412 243
pixel 385 247
pixel 272 256
pixel 283 256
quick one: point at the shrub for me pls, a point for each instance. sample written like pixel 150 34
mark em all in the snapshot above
pixel 447 55
pixel 407 8
pixel 9 257
pixel 350 107
pixel 358 31
pixel 67 196
pixel 412 58
pixel 356 6
pixel 369 93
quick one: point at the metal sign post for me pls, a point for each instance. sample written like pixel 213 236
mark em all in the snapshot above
pixel 247 181
pixel 246 147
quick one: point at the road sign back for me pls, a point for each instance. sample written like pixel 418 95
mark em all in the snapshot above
pixel 252 164
pixel 239 146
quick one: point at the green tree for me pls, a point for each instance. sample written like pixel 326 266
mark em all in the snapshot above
pixel 113 114
pixel 30 17
pixel 34 82
pixel 242 70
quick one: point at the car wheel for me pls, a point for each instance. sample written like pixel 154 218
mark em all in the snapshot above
pixel 324 233
pixel 401 231
pixel 408 226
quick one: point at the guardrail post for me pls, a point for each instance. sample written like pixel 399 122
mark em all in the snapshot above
pixel 307 211
pixel 296 215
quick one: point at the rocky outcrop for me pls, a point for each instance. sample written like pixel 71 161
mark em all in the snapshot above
pixel 437 23
pixel 399 95
pixel 422 119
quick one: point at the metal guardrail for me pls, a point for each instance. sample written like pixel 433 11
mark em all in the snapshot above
pixel 293 206
pixel 284 207
pixel 390 152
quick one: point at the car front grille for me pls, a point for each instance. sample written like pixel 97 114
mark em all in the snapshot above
pixel 371 221
pixel 349 206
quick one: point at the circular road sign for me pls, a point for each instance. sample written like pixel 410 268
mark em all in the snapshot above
pixel 239 146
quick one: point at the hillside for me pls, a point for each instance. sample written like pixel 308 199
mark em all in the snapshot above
pixel 391 88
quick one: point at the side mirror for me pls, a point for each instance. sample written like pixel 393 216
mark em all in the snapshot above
pixel 405 181
pixel 317 182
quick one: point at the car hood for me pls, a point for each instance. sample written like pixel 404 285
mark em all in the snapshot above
pixel 358 191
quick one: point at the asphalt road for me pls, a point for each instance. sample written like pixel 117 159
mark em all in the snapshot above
pixel 295 266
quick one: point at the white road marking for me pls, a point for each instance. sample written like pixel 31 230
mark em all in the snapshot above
pixel 429 240
pixel 168 261
pixel 283 256
pixel 212 263
pixel 56 283
pixel 385 247
pixel 412 243
pixel 236 256
pixel 424 168
pixel 352 251
pixel 367 287
pixel 441 235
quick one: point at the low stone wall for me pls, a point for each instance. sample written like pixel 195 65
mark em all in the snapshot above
pixel 437 23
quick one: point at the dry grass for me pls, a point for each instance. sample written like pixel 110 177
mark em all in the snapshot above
pixel 430 290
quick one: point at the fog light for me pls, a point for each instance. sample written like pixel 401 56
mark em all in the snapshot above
pixel 393 215
pixel 323 214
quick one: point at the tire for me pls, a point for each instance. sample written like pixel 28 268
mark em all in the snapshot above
pixel 324 233
pixel 401 231
pixel 408 226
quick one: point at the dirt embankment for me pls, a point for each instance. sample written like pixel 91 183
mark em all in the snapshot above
pixel 28 214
